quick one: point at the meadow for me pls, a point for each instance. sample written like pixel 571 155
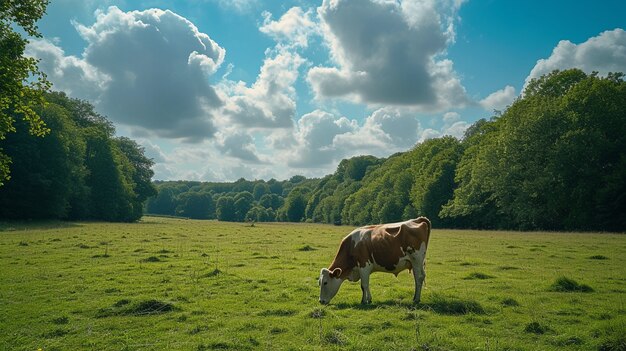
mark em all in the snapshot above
pixel 175 284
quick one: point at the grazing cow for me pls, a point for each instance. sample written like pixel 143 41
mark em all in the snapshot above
pixel 388 248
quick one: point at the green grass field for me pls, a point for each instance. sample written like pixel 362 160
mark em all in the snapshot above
pixel 172 284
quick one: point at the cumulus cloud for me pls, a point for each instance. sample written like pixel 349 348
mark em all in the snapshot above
pixel 603 53
pixel 293 28
pixel 145 69
pixel 270 101
pixel 322 138
pixel 238 144
pixel 385 131
pixel 386 53
pixel 500 99
pixel 315 136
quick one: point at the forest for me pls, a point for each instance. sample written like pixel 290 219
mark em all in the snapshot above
pixel 553 160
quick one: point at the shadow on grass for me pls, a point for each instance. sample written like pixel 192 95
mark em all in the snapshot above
pixel 16 226
pixel 438 304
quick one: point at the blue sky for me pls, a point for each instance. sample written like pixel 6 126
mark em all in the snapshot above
pixel 216 90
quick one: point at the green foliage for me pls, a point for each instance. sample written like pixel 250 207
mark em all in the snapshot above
pixel 554 160
pixel 21 83
pixel 78 171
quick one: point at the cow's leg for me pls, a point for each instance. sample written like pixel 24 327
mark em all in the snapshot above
pixel 419 274
pixel 365 287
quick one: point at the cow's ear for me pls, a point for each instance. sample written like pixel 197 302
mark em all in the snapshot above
pixel 335 273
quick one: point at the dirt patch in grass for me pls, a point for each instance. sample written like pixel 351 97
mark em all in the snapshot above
pixel 564 284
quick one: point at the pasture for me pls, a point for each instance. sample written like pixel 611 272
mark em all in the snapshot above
pixel 173 284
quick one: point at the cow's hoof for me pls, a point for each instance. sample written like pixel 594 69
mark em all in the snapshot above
pixel 363 302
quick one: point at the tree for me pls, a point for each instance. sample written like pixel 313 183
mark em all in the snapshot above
pixel 225 209
pixel 554 160
pixel 260 189
pixel 243 204
pixel 141 172
pixel 196 205
pixel 295 205
pixel 47 172
pixel 21 83
pixel 271 201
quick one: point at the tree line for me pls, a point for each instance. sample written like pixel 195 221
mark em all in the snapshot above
pixel 79 170
pixel 553 160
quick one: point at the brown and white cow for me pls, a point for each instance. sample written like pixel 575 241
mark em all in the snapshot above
pixel 390 248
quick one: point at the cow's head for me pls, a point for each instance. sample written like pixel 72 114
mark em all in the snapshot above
pixel 329 284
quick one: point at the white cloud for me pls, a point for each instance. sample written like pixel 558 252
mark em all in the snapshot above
pixel 270 101
pixel 145 69
pixel 500 99
pixel 385 131
pixel 603 53
pixel 293 28
pixel 387 53
pixel 315 136
pixel 238 144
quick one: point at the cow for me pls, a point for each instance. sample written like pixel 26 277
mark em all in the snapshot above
pixel 389 248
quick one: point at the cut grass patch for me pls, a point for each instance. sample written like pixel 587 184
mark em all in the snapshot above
pixel 564 284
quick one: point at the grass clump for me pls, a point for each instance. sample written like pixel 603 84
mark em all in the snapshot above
pixel 612 337
pixel 452 306
pixel 277 313
pixel 142 308
pixel 213 273
pixel 536 328
pixel 335 337
pixel 151 259
pixel 510 302
pixel 564 284
pixel 61 320
pixel 598 257
pixel 307 248
pixel 478 275
pixel 317 313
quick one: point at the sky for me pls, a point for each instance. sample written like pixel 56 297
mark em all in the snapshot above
pixel 217 90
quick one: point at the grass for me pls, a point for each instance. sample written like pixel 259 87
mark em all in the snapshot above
pixel 564 284
pixel 174 284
